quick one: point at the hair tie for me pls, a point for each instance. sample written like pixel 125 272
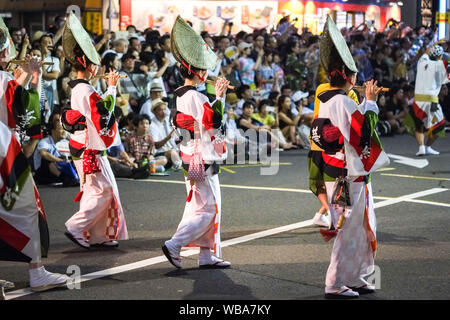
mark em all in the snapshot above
pixel 332 73
pixel 83 63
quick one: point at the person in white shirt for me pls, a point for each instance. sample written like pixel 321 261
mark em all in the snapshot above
pixel 161 129
pixel 156 92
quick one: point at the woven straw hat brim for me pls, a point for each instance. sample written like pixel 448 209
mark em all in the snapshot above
pixel 332 37
pixel 74 34
pixel 188 45
pixel 6 41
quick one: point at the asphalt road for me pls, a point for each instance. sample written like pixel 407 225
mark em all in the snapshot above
pixel 288 264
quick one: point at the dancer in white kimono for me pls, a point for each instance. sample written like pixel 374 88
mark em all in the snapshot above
pixel 23 225
pixel 426 113
pixel 100 220
pixel 355 152
pixel 202 148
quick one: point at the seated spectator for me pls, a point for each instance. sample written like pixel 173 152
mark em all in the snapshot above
pixel 287 121
pixel 383 127
pixel 123 166
pixel 161 130
pixel 396 109
pixel 49 164
pixel 380 68
pixel 126 125
pixel 244 94
pixel 265 117
pixel 140 145
pixel 156 92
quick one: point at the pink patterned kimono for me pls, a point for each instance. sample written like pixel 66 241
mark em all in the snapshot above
pixel 100 218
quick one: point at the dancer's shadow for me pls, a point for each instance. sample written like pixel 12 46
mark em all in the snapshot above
pixel 212 284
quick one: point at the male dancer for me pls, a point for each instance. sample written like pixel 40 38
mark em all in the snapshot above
pixel 426 112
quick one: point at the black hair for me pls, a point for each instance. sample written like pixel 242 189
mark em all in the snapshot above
pixel 281 100
pixel 140 118
pixel 147 57
pixel 248 104
pixel 273 95
pixel 79 54
pixel 127 56
pixel 263 102
pixel 188 74
pixel 163 39
pixel 336 63
pixel 241 90
pixel 132 38
pixel 108 60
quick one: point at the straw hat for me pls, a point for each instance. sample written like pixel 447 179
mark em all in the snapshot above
pixel 74 34
pixel 333 39
pixel 157 102
pixel 188 46
pixel 6 40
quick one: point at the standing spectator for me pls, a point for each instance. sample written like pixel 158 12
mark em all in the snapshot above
pixel 312 60
pixel 248 66
pixel 135 84
pixel 161 130
pixel 164 43
pixel 49 74
pixel 151 67
pixel 279 72
pixel 296 69
pixel 258 46
pixel 120 47
pixel 361 57
pixel 266 74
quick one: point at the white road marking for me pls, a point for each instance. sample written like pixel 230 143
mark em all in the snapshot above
pixel 190 252
pixel 418 163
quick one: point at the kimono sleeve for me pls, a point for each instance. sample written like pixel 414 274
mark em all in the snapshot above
pixel 359 132
pixel 101 114
pixel 23 108
pixel 442 72
pixel 208 114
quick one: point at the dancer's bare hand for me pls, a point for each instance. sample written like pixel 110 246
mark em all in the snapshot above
pixel 372 90
pixel 221 87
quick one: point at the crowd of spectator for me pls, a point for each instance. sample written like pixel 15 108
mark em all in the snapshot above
pixel 275 73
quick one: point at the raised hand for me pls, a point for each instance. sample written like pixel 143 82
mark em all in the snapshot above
pixel 221 87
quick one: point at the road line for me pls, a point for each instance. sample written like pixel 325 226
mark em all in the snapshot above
pixel 227 169
pixel 413 177
pixel 186 253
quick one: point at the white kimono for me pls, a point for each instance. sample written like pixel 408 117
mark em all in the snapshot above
pixel 354 248
pixel 200 225
pixel 23 224
pixel 100 218
pixel 431 75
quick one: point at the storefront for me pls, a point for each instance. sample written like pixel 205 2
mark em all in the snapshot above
pixel 346 13
pixel 39 15
pixel 248 15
